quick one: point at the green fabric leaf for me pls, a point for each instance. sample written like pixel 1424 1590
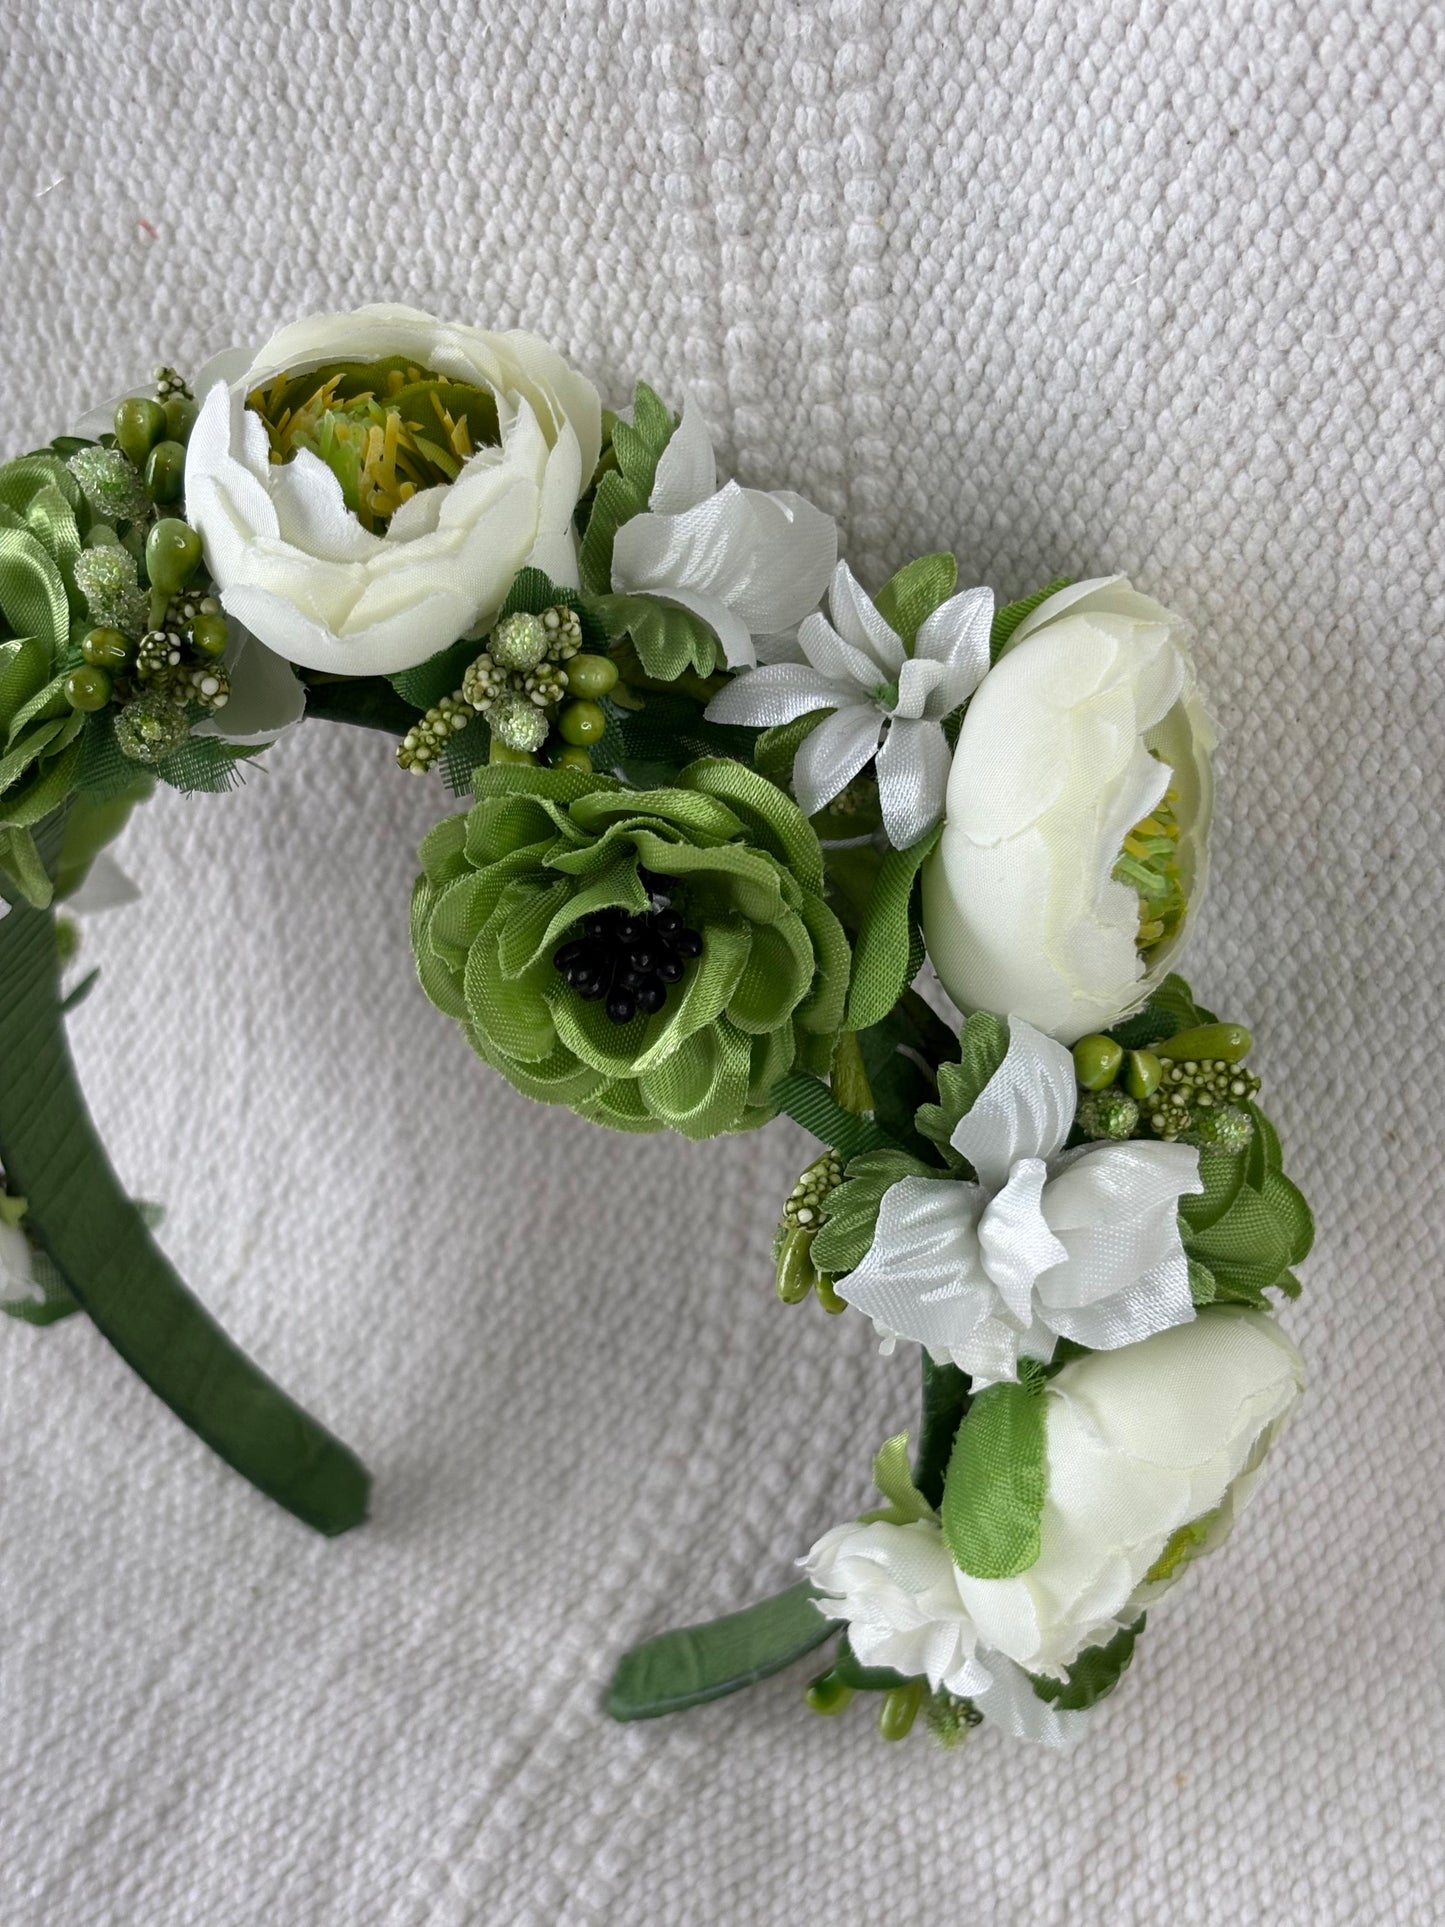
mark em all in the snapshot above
pixel 696 1664
pixel 908 598
pixel 852 1209
pixel 1007 619
pixel 1170 1009
pixel 884 955
pixel 204 765
pixel 1203 1285
pixel 945 1398
pixel 1222 1174
pixel 97 1238
pixel 993 1495
pixel 897 1061
pixel 623 492
pixel 983 1045
pixel 777 747
pixel 22 869
pixel 1094 1674
pixel 670 641
pixel 905 1504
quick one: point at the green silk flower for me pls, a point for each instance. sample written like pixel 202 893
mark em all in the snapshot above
pixel 514 879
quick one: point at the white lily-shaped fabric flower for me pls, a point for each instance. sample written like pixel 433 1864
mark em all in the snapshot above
pixel 1086 731
pixel 904 1602
pixel 749 562
pixel 1083 1245
pixel 856 665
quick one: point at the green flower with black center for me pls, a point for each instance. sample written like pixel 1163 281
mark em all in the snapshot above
pixel 650 958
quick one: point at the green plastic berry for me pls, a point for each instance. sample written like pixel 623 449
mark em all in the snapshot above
pixel 139 424
pixel 518 642
pixel 571 757
pixel 1227 1041
pixel 500 753
pixel 796 1276
pixel 209 635
pixel 173 554
pixel 582 723
pixel 180 417
pixel 106 649
pixel 1143 1075
pixel 591 675
pixel 165 472
pixel 1096 1061
pixel 87 689
pixel 827 1297
pixel 828 1694
pixel 900 1710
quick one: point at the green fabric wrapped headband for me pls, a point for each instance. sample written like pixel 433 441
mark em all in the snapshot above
pixel 741 839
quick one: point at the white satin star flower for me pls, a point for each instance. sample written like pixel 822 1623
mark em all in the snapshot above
pixel 748 561
pixel 1048 1244
pixel 886 703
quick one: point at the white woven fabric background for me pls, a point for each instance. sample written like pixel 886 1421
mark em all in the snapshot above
pixel 1068 288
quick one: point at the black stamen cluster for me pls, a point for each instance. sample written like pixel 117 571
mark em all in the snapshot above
pixel 630 958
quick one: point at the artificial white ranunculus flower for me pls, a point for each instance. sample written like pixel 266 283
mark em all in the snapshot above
pixel 749 562
pixel 1150 1452
pixel 1048 1244
pixel 1084 734
pixel 902 1597
pixel 399 517
pixel 886 702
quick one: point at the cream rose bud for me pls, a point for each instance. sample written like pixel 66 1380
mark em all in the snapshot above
pixel 371 516
pixel 1078 811
pixel 1150 1452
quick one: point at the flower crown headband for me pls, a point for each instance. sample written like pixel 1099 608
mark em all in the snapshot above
pixel 723 802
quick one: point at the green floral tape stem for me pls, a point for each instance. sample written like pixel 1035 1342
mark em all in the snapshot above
pixel 509 884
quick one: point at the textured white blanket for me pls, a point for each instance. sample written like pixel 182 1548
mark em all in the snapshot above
pixel 1068 288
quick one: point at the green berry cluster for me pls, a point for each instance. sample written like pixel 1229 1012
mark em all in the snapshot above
pixel 1191 1087
pixel 155 650
pixel 424 742
pixel 1201 1100
pixel 532 681
pixel 804 1214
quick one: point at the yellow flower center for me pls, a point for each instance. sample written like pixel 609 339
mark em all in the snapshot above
pixel 1181 1547
pixel 1149 864
pixel 385 429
